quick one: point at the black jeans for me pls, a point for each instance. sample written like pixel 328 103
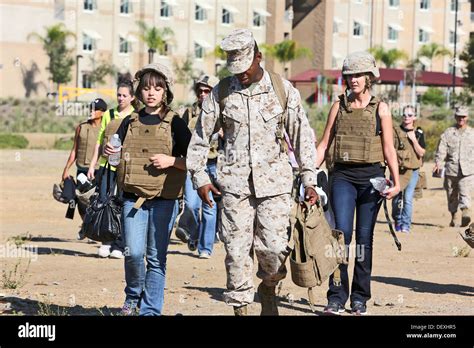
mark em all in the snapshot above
pixel 349 198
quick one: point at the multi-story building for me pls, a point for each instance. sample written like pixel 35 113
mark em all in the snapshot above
pixel 107 30
pixel 335 28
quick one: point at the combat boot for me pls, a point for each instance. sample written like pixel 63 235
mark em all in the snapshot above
pixel 267 299
pixel 240 311
pixel 454 218
pixel 465 218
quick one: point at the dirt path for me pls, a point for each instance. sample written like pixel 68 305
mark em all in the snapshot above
pixel 66 277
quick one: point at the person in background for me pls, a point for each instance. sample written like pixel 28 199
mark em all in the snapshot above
pixel 198 221
pixel 456 149
pixel 410 146
pixel 110 122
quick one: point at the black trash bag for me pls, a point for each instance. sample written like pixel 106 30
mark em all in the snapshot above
pixel 102 221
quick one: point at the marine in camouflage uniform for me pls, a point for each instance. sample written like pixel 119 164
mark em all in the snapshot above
pixel 254 175
pixel 456 149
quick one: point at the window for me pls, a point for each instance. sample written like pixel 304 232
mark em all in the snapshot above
pixel 357 31
pixel 393 3
pixel 88 43
pixel 124 45
pixel 86 81
pixel 424 4
pixel 198 50
pixel 392 34
pixel 200 14
pixel 335 27
pixel 286 35
pixel 166 50
pixel 165 10
pixel 453 5
pixel 258 19
pixel 451 37
pixel 423 36
pixel 90 5
pixel 227 17
pixel 125 6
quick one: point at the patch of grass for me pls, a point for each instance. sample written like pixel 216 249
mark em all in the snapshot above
pixel 46 308
pixel 461 252
pixel 15 278
pixel 13 141
pixel 20 239
pixel 63 144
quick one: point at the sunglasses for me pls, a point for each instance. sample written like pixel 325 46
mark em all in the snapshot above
pixel 203 90
pixel 409 115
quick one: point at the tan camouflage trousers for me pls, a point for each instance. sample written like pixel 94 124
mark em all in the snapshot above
pixel 458 190
pixel 253 225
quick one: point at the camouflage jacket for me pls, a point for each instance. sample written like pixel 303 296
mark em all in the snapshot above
pixel 456 148
pixel 252 152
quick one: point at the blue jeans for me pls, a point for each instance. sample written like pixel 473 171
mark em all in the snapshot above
pixel 147 234
pixel 349 198
pixel 402 205
pixel 202 229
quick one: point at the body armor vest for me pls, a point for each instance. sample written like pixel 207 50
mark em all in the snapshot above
pixel 355 136
pixel 86 144
pixel 111 128
pixel 191 119
pixel 136 173
pixel 407 157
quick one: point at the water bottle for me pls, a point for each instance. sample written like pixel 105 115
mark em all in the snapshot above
pixel 114 159
pixel 84 184
pixel 381 184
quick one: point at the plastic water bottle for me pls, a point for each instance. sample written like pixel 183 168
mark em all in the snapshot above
pixel 114 159
pixel 381 184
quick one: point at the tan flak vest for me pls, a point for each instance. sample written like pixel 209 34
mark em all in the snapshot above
pixel 355 139
pixel 407 157
pixel 111 128
pixel 136 173
pixel 86 144
pixel 191 116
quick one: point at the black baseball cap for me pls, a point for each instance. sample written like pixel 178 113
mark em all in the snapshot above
pixel 98 104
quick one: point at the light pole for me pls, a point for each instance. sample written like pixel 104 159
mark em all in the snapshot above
pixel 77 72
pixel 455 42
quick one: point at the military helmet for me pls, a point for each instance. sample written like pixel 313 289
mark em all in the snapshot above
pixel 358 63
pixel 206 80
pixel 58 193
pixel 160 69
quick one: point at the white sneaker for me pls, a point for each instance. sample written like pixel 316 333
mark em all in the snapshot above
pixel 204 255
pixel 116 254
pixel 104 251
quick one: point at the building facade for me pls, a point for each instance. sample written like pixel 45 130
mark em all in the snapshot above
pixel 107 31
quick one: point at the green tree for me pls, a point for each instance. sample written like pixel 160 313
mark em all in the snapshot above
pixel 432 51
pixel 155 38
pixel 468 57
pixel 60 57
pixel 433 96
pixel 184 71
pixel 390 57
pixel 101 70
pixel 287 51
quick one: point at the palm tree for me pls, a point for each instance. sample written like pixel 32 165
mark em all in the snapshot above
pixel 432 51
pixel 155 38
pixel 286 51
pixel 390 57
pixel 54 44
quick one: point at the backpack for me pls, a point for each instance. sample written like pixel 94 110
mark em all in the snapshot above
pixel 279 88
pixel 318 250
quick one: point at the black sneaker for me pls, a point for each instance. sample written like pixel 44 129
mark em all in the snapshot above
pixel 192 244
pixel 334 308
pixel 359 308
pixel 182 234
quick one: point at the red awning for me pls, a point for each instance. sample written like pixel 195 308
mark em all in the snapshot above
pixel 387 76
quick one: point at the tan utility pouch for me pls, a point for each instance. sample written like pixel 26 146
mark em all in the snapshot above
pixel 420 185
pixel 318 250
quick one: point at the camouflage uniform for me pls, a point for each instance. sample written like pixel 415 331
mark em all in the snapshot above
pixel 254 176
pixel 456 148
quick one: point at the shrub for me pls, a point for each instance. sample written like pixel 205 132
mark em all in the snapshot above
pixel 433 96
pixel 63 144
pixel 13 141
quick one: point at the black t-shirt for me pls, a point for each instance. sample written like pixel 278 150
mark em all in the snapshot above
pixel 179 131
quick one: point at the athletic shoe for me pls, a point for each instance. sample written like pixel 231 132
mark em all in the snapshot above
pixel 116 254
pixel 104 251
pixel 128 309
pixel 204 255
pixel 182 234
pixel 359 308
pixel 334 308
